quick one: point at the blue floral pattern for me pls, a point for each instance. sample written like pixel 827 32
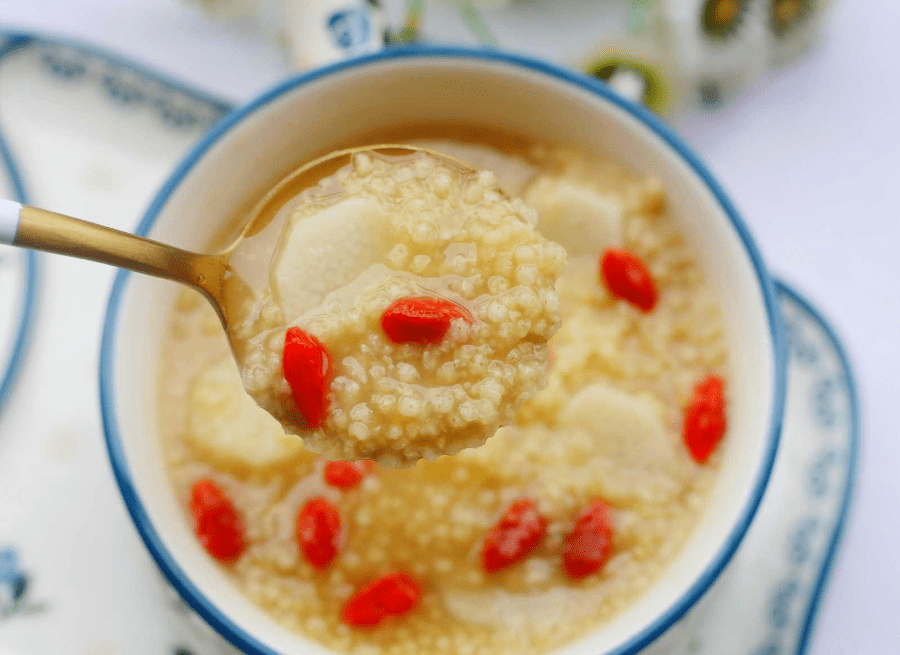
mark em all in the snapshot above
pixel 70 68
pixel 14 586
pixel 120 82
pixel 822 383
pixel 124 86
pixel 9 564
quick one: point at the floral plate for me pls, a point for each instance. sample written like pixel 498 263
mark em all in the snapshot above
pixel 92 134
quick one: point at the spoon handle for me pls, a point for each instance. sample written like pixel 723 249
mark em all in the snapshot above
pixel 39 229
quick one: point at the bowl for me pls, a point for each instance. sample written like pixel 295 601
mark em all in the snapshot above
pixel 332 107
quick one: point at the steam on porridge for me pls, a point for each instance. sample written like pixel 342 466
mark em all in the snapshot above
pixel 546 531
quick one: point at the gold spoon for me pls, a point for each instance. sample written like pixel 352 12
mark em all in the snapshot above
pixel 211 274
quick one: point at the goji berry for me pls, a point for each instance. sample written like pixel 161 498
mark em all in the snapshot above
pixel 704 418
pixel 515 535
pixel 421 320
pixel 307 368
pixel 711 388
pixel 589 545
pixel 318 530
pixel 218 525
pixel 390 595
pixel 627 277
pixel 346 475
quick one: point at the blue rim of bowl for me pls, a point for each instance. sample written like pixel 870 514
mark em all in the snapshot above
pixel 28 304
pixel 177 577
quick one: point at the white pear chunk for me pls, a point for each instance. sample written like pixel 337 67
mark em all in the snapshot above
pixel 320 253
pixel 580 219
pixel 226 426
pixel 512 172
pixel 632 456
pixel 519 611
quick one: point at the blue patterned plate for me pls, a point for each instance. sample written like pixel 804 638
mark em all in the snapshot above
pixel 95 135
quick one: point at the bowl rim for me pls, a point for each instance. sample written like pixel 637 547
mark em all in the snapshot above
pixel 174 573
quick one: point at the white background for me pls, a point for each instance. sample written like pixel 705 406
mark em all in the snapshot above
pixel 811 156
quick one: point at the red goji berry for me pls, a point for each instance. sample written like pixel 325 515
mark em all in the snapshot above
pixel 307 368
pixel 318 530
pixel 627 277
pixel 390 595
pixel 218 525
pixel 589 545
pixel 515 535
pixel 346 475
pixel 423 320
pixel 704 418
pixel 711 388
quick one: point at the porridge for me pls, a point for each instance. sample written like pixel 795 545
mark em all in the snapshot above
pixel 546 531
pixel 409 306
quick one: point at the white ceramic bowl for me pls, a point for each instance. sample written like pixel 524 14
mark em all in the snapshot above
pixel 319 111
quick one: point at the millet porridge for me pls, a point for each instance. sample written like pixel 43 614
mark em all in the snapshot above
pixel 408 311
pixel 546 531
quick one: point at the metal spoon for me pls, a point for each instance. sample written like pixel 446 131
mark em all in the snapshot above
pixel 211 274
